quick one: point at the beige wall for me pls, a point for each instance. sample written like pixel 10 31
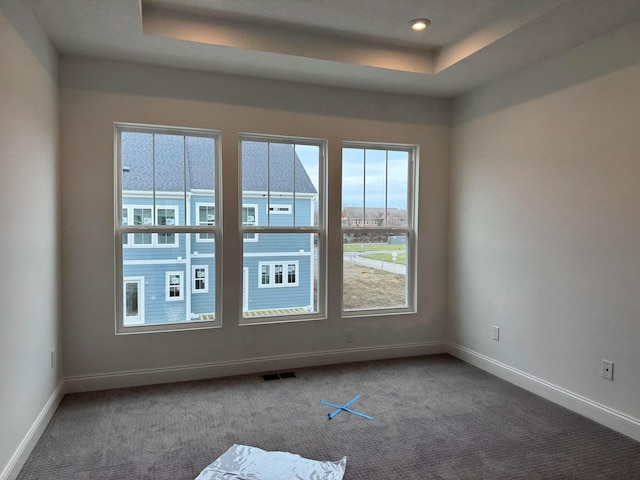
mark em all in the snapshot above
pixel 29 304
pixel 95 94
pixel 545 220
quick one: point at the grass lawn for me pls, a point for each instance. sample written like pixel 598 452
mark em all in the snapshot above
pixel 401 258
pixel 374 247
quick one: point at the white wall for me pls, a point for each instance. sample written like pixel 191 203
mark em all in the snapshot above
pixel 545 220
pixel 95 94
pixel 29 322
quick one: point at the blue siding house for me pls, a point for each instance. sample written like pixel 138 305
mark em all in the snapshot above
pixel 170 277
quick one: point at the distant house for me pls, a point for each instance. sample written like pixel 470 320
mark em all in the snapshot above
pixel 359 217
pixel 170 277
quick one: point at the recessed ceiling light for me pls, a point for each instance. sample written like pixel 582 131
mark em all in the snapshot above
pixel 419 24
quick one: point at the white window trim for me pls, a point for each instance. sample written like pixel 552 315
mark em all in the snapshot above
pixel 285 274
pixel 123 197
pixel 154 237
pixel 206 279
pixel 199 239
pixel 167 288
pixel 317 226
pixel 408 229
pixel 140 317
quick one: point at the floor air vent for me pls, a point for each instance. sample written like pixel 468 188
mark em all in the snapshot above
pixel 277 376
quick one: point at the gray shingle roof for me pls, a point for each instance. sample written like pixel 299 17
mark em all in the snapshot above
pixel 139 149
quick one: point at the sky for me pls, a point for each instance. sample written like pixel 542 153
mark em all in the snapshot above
pixel 366 179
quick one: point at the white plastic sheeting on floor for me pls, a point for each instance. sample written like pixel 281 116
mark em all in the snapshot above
pixel 241 462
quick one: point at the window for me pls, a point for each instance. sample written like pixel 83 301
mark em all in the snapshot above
pixel 206 217
pixel 166 216
pixel 284 249
pixel 199 282
pixel 378 184
pixel 142 216
pixel 249 219
pixel 167 184
pixel 274 274
pixel 174 286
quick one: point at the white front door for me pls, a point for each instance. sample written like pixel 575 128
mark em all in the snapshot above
pixel 133 301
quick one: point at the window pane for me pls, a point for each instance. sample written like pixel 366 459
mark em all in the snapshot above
pixel 375 188
pixel 280 275
pixel 201 154
pixel 169 165
pixel 169 278
pixel 375 180
pixel 309 157
pixel 374 271
pixel 266 274
pixel 285 179
pixel 137 163
pixel 131 299
pixel 353 186
pixel 398 189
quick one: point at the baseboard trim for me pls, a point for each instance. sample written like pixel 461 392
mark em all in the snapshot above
pixel 602 414
pixel 16 462
pixel 85 383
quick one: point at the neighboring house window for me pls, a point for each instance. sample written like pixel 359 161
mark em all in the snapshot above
pixel 166 216
pixel 249 219
pixel 174 286
pixel 199 281
pixel 278 274
pixel 282 179
pixel 166 280
pixel 142 216
pixel 206 217
pixel 378 185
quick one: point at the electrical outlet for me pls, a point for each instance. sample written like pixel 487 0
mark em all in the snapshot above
pixel 607 369
pixel 495 333
pixel 351 335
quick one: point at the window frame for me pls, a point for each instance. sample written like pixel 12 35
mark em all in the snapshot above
pixel 319 268
pixel 127 231
pixel 410 230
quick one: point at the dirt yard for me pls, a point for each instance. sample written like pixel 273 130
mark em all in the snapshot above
pixel 370 288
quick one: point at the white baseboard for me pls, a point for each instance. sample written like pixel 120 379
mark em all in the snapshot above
pixel 606 416
pixel 12 469
pixel 134 378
